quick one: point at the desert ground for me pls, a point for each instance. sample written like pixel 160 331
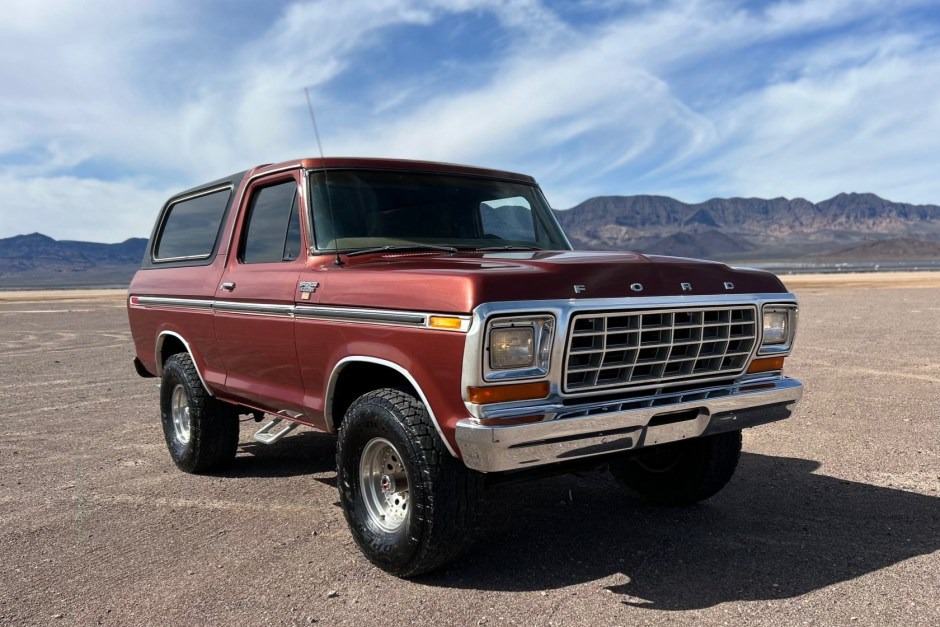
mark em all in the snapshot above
pixel 832 518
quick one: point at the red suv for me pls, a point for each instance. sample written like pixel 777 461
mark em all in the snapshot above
pixel 435 318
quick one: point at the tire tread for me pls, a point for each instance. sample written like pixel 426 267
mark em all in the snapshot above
pixel 216 444
pixel 454 492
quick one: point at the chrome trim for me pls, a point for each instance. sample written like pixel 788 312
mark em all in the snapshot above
pixel 565 309
pixel 165 214
pixel 383 316
pixel 310 228
pixel 414 319
pixel 793 319
pixel 540 324
pixel 186 303
pixel 557 409
pixel 268 309
pixel 184 258
pixel 591 431
pixel 744 353
pixel 158 348
pixel 342 363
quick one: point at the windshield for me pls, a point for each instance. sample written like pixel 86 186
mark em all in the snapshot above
pixel 372 209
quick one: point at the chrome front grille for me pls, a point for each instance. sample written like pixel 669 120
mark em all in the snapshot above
pixel 632 348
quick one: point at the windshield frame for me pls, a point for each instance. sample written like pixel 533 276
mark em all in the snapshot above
pixel 542 210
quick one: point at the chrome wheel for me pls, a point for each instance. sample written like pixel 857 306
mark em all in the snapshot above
pixel 383 483
pixel 179 409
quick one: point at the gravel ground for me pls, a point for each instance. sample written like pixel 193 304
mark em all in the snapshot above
pixel 832 518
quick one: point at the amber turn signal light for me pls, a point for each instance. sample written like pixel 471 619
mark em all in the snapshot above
pixel 506 393
pixel 445 322
pixel 765 364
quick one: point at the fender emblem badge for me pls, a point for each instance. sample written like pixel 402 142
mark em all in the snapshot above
pixel 307 288
pixel 578 288
pixel 636 287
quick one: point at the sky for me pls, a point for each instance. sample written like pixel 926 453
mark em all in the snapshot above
pixel 108 108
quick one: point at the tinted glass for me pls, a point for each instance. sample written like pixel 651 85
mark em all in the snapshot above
pixel 191 227
pixel 273 231
pixel 377 208
pixel 508 219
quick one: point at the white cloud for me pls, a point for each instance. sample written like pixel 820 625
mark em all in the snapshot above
pixel 67 207
pixel 688 98
pixel 869 127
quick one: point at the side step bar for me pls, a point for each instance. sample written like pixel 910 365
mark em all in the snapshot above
pixel 267 433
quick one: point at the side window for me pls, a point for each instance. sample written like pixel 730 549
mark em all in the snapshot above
pixel 272 230
pixel 191 227
pixel 508 219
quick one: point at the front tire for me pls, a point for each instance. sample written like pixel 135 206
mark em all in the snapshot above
pixel 201 432
pixel 680 473
pixel 409 504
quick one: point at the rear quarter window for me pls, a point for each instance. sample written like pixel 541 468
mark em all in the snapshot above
pixel 191 227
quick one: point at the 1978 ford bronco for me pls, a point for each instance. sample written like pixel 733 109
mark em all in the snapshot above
pixel 435 318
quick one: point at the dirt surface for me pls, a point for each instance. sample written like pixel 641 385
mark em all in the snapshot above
pixel 858 280
pixel 832 518
pixel 45 296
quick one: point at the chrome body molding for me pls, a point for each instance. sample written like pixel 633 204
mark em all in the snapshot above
pixel 564 311
pixel 345 361
pixel 571 432
pixel 159 349
pixel 414 319
pixel 267 309
pixel 166 301
pixel 352 314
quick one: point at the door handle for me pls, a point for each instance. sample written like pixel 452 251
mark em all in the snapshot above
pixel 228 286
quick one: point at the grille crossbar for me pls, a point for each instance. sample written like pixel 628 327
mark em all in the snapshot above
pixel 631 348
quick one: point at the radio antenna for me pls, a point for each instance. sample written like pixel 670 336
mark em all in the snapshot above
pixel 329 203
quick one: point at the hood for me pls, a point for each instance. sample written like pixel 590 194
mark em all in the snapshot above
pixel 458 283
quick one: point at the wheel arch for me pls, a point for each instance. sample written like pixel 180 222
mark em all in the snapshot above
pixel 342 386
pixel 170 343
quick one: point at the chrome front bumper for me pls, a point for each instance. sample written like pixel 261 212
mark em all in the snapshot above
pixel 595 428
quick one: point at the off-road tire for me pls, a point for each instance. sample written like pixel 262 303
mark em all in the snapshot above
pixel 680 473
pixel 444 495
pixel 213 439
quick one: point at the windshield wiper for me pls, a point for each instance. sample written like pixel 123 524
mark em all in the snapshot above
pixel 508 247
pixel 381 249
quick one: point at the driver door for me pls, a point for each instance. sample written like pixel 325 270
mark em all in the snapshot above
pixel 253 321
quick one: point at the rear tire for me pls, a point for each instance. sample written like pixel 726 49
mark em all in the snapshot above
pixel 201 432
pixel 680 473
pixel 410 505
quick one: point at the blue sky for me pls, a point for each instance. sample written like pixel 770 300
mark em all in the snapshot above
pixel 109 107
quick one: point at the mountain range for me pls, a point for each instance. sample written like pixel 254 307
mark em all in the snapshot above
pixel 843 230
pixel 36 260
pixel 845 226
